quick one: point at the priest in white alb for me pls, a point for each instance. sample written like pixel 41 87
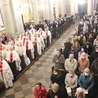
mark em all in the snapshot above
pixel 29 48
pixel 22 53
pixel 6 75
pixel 37 45
pixel 14 61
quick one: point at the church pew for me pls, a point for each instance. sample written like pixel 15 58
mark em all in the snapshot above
pixel 23 65
pixel 28 52
pixel 14 69
pixel 1 86
pixel 35 52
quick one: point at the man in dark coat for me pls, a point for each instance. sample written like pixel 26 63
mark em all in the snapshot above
pixel 41 25
pixel 57 92
pixel 94 66
pixel 57 31
pixel 64 51
pixel 58 59
pixel 68 44
pixel 52 30
pixel 94 54
pixel 88 49
pixel 80 41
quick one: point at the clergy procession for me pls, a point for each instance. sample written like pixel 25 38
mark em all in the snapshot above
pixel 16 55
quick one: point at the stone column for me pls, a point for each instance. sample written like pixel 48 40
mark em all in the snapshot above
pixel 57 8
pixel 62 7
pixel 68 6
pixel 7 17
pixel 76 6
pixel 18 16
pixel 90 7
pixel 46 9
pixel 72 7
pixel 35 11
pixel 51 6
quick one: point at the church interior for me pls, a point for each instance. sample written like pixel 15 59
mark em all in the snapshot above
pixel 48 48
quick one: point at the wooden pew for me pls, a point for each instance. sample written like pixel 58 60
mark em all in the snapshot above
pixel 1 86
pixel 23 65
pixel 28 52
pixel 13 68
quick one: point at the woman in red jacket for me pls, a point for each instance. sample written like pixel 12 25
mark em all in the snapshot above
pixel 40 91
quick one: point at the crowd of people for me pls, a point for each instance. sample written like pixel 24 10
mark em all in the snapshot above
pixel 16 54
pixel 75 73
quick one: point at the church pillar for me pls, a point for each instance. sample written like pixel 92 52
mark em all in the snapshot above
pixel 57 8
pixel 68 6
pixel 7 17
pixel 52 5
pixel 76 6
pixel 72 7
pixel 46 13
pixel 17 14
pixel 62 7
pixel 90 7
pixel 35 11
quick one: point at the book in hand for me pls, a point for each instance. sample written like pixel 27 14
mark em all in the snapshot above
pixel 68 89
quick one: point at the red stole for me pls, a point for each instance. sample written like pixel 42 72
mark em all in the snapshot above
pixel 0 46
pixel 83 59
pixel 35 41
pixel 46 33
pixel 1 63
pixel 11 56
pixel 27 45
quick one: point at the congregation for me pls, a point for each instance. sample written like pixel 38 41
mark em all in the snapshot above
pixel 75 73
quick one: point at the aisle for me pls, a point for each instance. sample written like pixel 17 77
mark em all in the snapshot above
pixel 39 71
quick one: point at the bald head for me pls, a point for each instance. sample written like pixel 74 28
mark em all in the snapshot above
pixel 71 56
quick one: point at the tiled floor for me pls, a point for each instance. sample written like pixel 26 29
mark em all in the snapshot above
pixel 39 71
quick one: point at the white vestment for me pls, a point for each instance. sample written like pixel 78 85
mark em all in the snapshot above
pixel 22 51
pixel 6 75
pixel 42 40
pixel 30 47
pixel 16 58
pixel 18 41
pixel 38 42
pixel 21 36
pixel 4 53
pixel 44 35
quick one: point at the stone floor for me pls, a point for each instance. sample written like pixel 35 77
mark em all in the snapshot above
pixel 39 71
